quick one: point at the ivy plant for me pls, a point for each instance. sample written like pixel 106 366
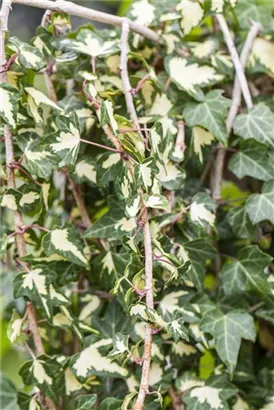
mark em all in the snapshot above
pixel 137 203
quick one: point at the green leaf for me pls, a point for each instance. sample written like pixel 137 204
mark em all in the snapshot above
pixel 110 404
pixel 191 77
pixel 8 394
pixel 210 114
pixel 253 160
pixel 108 167
pixel 260 207
pixel 45 373
pixel 247 11
pixel 65 242
pixel 156 201
pixel 114 224
pixel 85 402
pixel 240 223
pixel 247 274
pixel 228 330
pixel 27 402
pixel 40 98
pixel 145 173
pixel 9 97
pixel 202 209
pixel 28 56
pixel 212 396
pixel 257 124
pixel 176 328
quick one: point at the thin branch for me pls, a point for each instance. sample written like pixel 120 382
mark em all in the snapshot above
pixel 80 203
pixel 180 146
pixel 95 144
pixel 176 400
pixel 146 359
pixel 89 14
pixel 236 60
pixel 240 85
pixel 124 75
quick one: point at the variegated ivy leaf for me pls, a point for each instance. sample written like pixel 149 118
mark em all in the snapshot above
pixel 176 328
pixel 132 142
pixel 246 274
pixel 204 49
pixel 120 346
pixel 28 56
pixel 14 331
pixel 60 22
pixel 202 209
pixel 170 175
pixel 40 98
pixel 218 5
pixel 228 330
pixel 125 184
pixel 91 362
pixel 46 373
pixel 27 402
pixel 145 173
pixel 85 402
pixel 253 160
pixel 201 137
pixel 260 207
pixel 65 242
pixel 85 170
pixel 210 114
pixel 65 142
pixel 191 77
pixel 257 124
pixel 87 42
pixel 37 286
pixel 113 224
pixel 26 198
pixel 192 14
pixel 133 206
pixel 37 159
pixel 67 320
pixel 213 395
pixel 261 53
pixel 106 116
pixel 156 201
pixel 108 166
pixel 9 97
pixel 143 12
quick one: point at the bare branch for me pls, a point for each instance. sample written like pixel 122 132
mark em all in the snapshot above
pixel 80 203
pixel 90 14
pixel 239 86
pixel 236 61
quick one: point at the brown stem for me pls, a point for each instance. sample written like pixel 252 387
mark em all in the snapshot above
pixel 95 144
pixel 176 400
pixel 80 203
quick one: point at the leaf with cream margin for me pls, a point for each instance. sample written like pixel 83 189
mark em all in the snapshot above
pixel 161 105
pixel 213 395
pixel 65 242
pixel 64 144
pixel 257 124
pixel 252 160
pixel 132 141
pixel 210 114
pixel 228 330
pixel 28 56
pixel 40 98
pixel 202 209
pixel 204 49
pixel 143 12
pixel 176 327
pixel 133 206
pixel 201 137
pixel 108 167
pixel 90 362
pixel 37 159
pixel 46 373
pixel 190 77
pixel 192 15
pixel 125 184
pixel 85 171
pixel 106 116
pixel 246 274
pixel 114 224
pixel 87 42
pixel 85 402
pixel 261 55
pixel 260 207
pixel 218 5
pixel 9 97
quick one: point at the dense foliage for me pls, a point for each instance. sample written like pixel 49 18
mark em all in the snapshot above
pixel 83 210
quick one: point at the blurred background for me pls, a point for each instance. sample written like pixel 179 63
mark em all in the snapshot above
pixel 24 20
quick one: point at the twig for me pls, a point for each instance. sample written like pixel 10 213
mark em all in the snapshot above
pixel 124 75
pixel 180 141
pixel 90 14
pixel 140 84
pixel 102 146
pixel 176 400
pixel 240 85
pixel 80 203
pixel 146 359
pixel 32 355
